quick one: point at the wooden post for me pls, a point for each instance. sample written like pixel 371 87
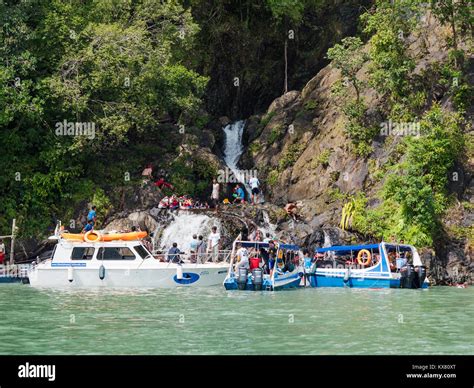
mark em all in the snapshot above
pixel 12 249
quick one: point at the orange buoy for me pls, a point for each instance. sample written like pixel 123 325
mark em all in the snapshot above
pixel 363 257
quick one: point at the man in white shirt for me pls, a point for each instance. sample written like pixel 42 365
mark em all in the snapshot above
pixel 243 259
pixel 213 244
pixel 254 185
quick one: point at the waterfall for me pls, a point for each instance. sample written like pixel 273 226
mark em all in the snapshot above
pixel 233 149
pixel 268 226
pixel 182 228
pixel 327 239
pixel 233 145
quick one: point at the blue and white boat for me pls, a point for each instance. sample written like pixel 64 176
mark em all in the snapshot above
pixel 383 265
pixel 287 271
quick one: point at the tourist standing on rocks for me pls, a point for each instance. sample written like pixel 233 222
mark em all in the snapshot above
pixel 255 186
pixel 215 194
pixel 214 240
pixel 147 174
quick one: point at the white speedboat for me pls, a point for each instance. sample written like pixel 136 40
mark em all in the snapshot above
pixel 121 263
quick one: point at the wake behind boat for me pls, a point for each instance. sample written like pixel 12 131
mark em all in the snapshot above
pixel 120 261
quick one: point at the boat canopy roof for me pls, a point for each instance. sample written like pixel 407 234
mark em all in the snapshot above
pixel 261 244
pixel 347 248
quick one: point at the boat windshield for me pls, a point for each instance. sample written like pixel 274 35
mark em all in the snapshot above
pixel 142 251
pixel 401 255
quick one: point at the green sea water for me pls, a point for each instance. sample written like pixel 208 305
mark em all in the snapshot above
pixel 214 321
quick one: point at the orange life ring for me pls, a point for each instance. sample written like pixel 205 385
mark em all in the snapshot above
pixel 368 258
pixel 92 236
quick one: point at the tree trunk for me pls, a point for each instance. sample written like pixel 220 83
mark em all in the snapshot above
pixel 286 65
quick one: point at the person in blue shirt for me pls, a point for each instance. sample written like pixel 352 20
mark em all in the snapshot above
pixel 173 254
pixel 239 191
pixel 308 260
pixel 92 215
pixel 89 226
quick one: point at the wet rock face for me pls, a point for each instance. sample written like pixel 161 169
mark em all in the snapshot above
pixel 142 219
pixel 452 264
pixel 320 238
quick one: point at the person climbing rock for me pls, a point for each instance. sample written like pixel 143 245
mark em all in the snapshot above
pixel 291 209
pixel 160 183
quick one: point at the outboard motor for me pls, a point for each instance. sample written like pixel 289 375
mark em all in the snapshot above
pixel 242 280
pixel 257 279
pixel 407 277
pixel 420 275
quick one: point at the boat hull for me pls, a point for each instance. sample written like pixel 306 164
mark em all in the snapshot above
pixel 283 282
pixel 192 276
pixel 319 280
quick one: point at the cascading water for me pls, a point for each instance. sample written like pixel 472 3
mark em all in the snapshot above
pixel 327 240
pixel 268 226
pixel 182 228
pixel 233 149
pixel 233 145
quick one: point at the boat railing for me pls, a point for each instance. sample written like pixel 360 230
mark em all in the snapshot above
pixel 14 270
pixel 222 256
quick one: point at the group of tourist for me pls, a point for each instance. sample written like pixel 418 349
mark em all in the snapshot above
pixel 239 196
pixel 200 251
pixel 265 258
pixel 184 203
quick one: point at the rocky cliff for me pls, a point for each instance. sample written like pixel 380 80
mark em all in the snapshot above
pixel 302 152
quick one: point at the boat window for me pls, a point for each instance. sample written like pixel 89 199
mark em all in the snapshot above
pixel 142 251
pixel 116 253
pixel 82 253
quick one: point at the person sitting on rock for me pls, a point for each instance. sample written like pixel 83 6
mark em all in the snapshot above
pixel 239 194
pixel 164 203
